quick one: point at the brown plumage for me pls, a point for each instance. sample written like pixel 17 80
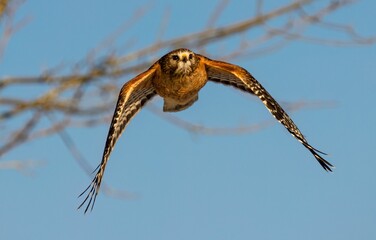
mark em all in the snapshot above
pixel 178 77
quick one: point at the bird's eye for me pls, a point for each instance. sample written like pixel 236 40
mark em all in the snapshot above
pixel 175 57
pixel 190 56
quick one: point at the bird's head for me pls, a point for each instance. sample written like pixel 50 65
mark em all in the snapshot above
pixel 180 62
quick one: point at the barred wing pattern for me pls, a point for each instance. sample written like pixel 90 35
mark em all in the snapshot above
pixel 133 95
pixel 229 74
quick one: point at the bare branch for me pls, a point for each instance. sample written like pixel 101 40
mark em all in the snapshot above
pixel 21 135
pixel 110 40
pixel 7 12
pixel 236 130
pixel 217 13
pixel 83 163
pixel 3 7
pixel 23 166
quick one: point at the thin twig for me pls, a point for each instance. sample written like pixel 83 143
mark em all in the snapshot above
pixel 83 163
pixel 23 166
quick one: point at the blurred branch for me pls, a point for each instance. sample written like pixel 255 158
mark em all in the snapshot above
pixel 83 163
pixel 3 6
pixel 23 166
pixel 7 24
pixel 20 135
pixel 220 7
pixel 239 129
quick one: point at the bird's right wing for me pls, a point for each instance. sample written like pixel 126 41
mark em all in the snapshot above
pixel 133 95
pixel 233 75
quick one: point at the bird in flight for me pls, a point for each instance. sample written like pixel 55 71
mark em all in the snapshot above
pixel 178 77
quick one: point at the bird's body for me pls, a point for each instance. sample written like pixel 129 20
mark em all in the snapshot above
pixel 179 88
pixel 178 77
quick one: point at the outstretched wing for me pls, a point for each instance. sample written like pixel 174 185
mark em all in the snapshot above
pixel 229 74
pixel 133 95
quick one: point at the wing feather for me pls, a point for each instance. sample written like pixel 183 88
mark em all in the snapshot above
pixel 133 95
pixel 233 75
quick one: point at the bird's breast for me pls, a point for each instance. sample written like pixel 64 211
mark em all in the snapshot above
pixel 180 87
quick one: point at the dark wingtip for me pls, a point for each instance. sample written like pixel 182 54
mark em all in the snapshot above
pixel 91 196
pixel 92 192
pixel 316 150
pixel 324 164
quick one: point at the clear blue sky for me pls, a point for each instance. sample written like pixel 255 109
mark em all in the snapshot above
pixel 263 185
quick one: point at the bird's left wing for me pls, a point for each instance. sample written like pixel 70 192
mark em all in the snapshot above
pixel 133 95
pixel 233 75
